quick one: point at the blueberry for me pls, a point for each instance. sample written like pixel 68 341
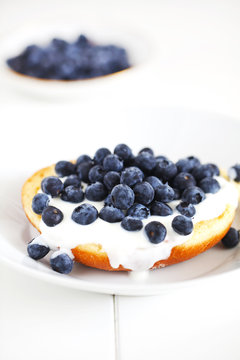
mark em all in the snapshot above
pixel 111 214
pixel 186 209
pixel 65 168
pixel 165 170
pixel 108 200
pixel 187 164
pixel 131 176
pixel 122 196
pixel 203 171
pixel 72 180
pixel 177 194
pixel 111 179
pixel 131 224
pixel 183 180
pixel 84 214
pixel 145 161
pixel 72 194
pixel 83 158
pixel 144 193
pixel 52 185
pixel 112 163
pixel 193 195
pixel 147 150
pixel 231 239
pixel 160 209
pixel 209 185
pixel 52 216
pixel 96 192
pixel 182 225
pixel 160 158
pixel 37 250
pixel 123 151
pixel 83 171
pixel 234 173
pixel 216 171
pixel 100 155
pixel 39 203
pixel 164 193
pixel 154 181
pixel 156 232
pixel 82 41
pixel 96 173
pixel 138 211
pixel 61 262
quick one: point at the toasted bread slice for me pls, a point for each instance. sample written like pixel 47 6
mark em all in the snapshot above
pixel 205 235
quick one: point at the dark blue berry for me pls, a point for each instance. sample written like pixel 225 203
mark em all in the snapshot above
pixel 160 158
pixel 96 192
pixel 65 168
pixel 108 201
pixel 209 185
pixel 83 170
pixel 186 209
pixel 165 170
pixel 122 196
pixel 154 181
pixel 72 194
pixel 131 224
pixel 112 163
pixel 96 173
pixel 138 211
pixel 61 262
pixel 145 161
pixel 100 155
pixel 156 232
pixel 111 214
pixel 131 176
pixel 147 150
pixel 52 185
pixel 83 158
pixel 182 225
pixel 183 180
pixel 160 209
pixel 203 171
pixel 234 173
pixel 111 179
pixel 177 194
pixel 39 203
pixel 216 171
pixel 72 180
pixel 187 164
pixel 52 216
pixel 231 239
pixel 144 193
pixel 164 193
pixel 193 195
pixel 37 251
pixel 84 214
pixel 123 151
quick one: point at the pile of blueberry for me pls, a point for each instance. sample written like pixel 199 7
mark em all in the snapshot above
pixel 62 60
pixel 132 188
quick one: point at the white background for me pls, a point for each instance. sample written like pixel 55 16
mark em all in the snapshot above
pixel 193 62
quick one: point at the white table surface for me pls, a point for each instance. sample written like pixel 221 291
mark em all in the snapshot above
pixel 194 64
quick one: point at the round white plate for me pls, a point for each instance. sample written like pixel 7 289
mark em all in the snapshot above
pixel 212 137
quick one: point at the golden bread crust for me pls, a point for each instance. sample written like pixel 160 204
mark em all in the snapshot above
pixel 206 233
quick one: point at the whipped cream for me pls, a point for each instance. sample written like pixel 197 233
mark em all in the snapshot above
pixel 132 249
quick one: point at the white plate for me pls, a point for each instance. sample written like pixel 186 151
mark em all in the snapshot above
pixel 211 137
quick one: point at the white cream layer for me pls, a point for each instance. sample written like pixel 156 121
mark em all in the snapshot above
pixel 127 248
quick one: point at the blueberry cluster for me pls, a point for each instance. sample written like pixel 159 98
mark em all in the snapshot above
pixel 62 60
pixel 131 187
